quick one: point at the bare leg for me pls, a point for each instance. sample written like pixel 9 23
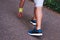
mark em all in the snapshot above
pixel 38 12
pixel 34 18
pixel 38 17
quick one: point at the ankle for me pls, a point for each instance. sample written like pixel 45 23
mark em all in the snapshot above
pixel 38 28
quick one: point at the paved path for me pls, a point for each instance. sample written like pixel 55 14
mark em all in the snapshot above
pixel 13 28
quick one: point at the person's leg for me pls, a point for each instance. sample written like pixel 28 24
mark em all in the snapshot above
pixel 21 4
pixel 38 17
pixel 38 12
pixel 33 21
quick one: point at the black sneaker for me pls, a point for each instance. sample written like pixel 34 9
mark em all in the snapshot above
pixel 35 32
pixel 33 22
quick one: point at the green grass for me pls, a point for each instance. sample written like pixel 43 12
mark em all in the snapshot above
pixel 53 4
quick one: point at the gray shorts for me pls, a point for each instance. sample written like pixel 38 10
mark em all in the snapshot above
pixel 38 3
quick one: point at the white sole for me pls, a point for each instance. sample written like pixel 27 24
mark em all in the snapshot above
pixel 39 34
pixel 32 23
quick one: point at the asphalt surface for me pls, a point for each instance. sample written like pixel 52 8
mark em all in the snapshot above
pixel 14 28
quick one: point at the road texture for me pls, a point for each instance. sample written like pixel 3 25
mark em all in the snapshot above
pixel 14 28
